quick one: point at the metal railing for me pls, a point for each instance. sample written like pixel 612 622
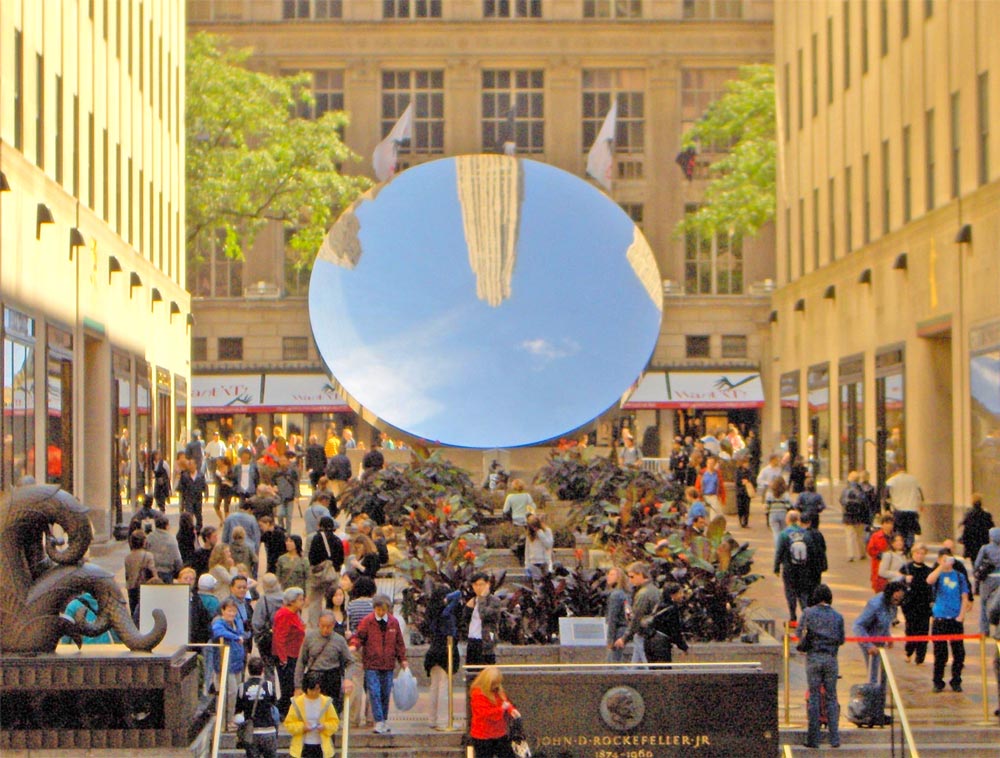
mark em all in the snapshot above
pixel 786 751
pixel 897 702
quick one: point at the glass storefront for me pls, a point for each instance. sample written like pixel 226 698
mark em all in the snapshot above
pixel 143 422
pixel 789 410
pixel 851 378
pixel 817 446
pixel 59 412
pixel 984 387
pixel 163 418
pixel 180 412
pixel 890 412
pixel 121 440
pixel 17 430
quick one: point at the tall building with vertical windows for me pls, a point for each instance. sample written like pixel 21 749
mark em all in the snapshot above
pixel 886 322
pixel 464 64
pixel 95 333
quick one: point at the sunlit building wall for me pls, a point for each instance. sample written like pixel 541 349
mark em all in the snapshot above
pixel 96 319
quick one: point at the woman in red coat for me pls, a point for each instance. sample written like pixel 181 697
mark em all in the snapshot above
pixel 488 725
pixel 289 631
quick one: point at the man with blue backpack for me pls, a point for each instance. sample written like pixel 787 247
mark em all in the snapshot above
pixel 791 562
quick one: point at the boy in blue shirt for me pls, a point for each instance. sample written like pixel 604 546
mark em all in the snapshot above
pixel 951 603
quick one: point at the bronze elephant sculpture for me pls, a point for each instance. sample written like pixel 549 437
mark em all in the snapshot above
pixel 38 578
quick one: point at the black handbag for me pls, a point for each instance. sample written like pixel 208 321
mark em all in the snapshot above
pixel 518 743
pixel 244 733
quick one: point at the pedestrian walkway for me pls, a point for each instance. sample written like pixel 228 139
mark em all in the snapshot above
pixel 850 584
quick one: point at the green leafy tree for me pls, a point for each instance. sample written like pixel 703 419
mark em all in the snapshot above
pixel 740 197
pixel 251 160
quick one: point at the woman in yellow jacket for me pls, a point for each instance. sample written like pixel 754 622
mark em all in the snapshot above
pixel 312 721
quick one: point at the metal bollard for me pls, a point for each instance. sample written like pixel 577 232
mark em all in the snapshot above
pixel 451 699
pixel 785 651
pixel 347 726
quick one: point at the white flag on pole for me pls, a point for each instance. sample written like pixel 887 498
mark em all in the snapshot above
pixel 384 157
pixel 600 159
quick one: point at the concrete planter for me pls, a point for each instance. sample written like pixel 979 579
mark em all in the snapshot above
pixel 767 652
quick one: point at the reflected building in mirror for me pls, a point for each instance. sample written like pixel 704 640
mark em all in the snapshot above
pixel 490 193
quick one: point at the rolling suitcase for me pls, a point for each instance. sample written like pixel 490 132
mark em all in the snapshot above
pixel 866 707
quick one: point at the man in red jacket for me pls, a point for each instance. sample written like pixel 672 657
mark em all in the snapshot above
pixel 880 542
pixel 382 645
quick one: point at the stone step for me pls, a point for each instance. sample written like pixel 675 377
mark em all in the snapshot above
pixel 933 740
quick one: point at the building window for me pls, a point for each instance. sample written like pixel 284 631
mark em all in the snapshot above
pixel 91 160
pixel 230 348
pixel 411 8
pixel 712 265
pixel 713 9
pixel 983 125
pixel 928 8
pixel 522 91
pixel 425 89
pixel 829 60
pixel 907 177
pixel 848 212
pixel 815 75
pixel 328 94
pixel 846 54
pixel 831 220
pixel 627 87
pixel 800 86
pixel 788 244
pixel 700 87
pixel 697 346
pixel 815 228
pixel 18 90
pixel 866 210
pixel 612 8
pixel 512 8
pixel 734 346
pixel 904 18
pixel 309 9
pixel 864 36
pixel 956 145
pixel 634 211
pixel 216 274
pixel 199 349
pixel 886 179
pixel 17 421
pixel 40 111
pixel 787 97
pixel 802 236
pixel 929 156
pixel 59 129
pixel 294 348
pixel 884 26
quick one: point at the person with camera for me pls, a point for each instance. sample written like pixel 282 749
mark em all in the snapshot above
pixel 482 613
pixel 951 603
pixel 821 633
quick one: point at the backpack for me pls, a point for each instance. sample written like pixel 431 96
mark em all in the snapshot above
pixel 265 637
pixel 797 548
pixel 201 621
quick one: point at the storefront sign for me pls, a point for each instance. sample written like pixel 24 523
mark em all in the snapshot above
pixel 697 389
pixel 615 713
pixel 225 393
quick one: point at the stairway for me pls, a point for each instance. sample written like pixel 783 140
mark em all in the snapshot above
pixel 405 741
pixel 932 742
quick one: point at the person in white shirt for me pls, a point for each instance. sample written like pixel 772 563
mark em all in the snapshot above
pixel 907 504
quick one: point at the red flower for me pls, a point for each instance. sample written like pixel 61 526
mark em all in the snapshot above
pixel 431 520
pixel 470 556
pixel 446 509
pixel 578 553
pixel 462 544
pixel 646 510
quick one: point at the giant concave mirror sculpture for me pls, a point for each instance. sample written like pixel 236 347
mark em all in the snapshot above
pixel 485 301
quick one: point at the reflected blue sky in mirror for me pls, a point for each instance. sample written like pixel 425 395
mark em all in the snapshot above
pixel 485 301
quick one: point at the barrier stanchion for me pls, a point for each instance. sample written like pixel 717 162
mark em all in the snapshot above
pixel 786 653
pixel 986 690
pixel 451 699
pixel 220 700
pixel 347 726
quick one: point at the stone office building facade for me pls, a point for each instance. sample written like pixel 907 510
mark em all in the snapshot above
pixel 463 63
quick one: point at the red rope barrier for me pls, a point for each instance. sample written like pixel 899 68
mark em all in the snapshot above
pixel 920 638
